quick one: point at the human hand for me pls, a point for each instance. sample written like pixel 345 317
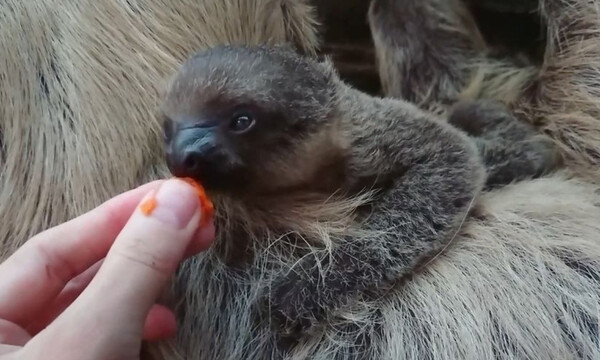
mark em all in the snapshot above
pixel 87 288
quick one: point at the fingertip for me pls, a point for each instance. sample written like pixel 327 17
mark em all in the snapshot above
pixel 149 186
pixel 202 240
pixel 120 208
pixel 12 334
pixel 174 204
pixel 205 236
pixel 160 324
pixel 148 250
pixel 132 196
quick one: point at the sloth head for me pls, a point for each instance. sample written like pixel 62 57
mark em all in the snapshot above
pixel 250 118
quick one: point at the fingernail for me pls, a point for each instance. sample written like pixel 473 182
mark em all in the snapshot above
pixel 176 204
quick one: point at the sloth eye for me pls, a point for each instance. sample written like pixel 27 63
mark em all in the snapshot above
pixel 241 123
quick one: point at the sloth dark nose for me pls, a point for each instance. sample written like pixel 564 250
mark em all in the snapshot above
pixel 192 151
pixel 187 163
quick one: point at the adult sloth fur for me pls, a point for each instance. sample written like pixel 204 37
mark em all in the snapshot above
pixel 80 83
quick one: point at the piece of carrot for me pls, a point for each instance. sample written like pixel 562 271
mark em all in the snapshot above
pixel 208 209
pixel 148 206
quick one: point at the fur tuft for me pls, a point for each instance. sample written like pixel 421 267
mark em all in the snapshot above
pixel 565 99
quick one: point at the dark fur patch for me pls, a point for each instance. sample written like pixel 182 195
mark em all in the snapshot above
pixel 54 76
pixel 347 40
pixel 2 148
pixel 509 31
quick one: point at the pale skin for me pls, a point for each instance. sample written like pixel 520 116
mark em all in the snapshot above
pixel 88 289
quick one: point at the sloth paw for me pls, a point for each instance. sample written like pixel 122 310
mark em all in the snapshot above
pixel 508 162
pixel 489 119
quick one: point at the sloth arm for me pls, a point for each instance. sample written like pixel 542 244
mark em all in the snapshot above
pixel 435 174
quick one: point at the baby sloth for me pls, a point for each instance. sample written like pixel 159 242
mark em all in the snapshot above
pixel 263 125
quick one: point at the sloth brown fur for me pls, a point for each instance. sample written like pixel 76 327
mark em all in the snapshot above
pixel 79 84
pixel 260 124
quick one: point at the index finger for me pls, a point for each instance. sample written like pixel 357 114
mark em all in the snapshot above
pixel 39 270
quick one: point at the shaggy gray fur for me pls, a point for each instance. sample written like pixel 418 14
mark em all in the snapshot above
pixel 426 175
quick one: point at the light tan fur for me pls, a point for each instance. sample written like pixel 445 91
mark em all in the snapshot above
pixel 105 63
pixel 566 101
pixel 94 134
pixel 498 80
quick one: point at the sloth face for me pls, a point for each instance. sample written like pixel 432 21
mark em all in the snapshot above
pixel 242 117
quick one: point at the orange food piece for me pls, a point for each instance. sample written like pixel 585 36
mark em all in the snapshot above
pixel 208 209
pixel 148 206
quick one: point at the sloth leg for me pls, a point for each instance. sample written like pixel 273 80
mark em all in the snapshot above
pixel 425 49
pixel 430 52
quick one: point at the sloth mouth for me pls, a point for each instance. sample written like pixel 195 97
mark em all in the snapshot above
pixel 215 174
pixel 214 177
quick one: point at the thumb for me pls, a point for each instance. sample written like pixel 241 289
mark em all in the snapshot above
pixel 140 262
